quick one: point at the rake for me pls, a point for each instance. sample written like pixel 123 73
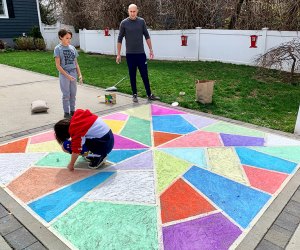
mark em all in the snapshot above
pixel 114 88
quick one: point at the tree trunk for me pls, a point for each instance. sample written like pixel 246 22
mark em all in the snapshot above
pixel 236 14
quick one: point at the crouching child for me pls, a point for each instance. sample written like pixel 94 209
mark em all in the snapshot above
pixel 84 132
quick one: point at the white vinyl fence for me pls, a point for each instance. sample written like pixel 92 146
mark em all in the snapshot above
pixel 230 46
pixel 50 36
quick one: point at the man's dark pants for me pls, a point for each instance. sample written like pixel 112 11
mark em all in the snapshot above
pixel 139 61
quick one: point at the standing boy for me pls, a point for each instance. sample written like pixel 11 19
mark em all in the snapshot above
pixel 134 28
pixel 66 63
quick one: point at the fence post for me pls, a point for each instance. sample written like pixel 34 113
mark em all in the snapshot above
pixel 198 33
pixel 297 126
pixel 264 40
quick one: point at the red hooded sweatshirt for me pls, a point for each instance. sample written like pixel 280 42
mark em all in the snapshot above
pixel 80 123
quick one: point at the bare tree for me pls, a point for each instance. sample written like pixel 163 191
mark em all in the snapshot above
pixel 187 14
pixel 286 55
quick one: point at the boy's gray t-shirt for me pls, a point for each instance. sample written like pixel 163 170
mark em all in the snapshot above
pixel 67 55
pixel 133 30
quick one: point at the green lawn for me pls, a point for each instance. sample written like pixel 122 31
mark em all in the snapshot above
pixel 237 94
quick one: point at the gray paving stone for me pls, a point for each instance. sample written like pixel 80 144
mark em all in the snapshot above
pixel 287 221
pixel 3 211
pixel 36 246
pixel 8 224
pixel 267 245
pixel 296 196
pixel 293 207
pixel 20 238
pixel 278 236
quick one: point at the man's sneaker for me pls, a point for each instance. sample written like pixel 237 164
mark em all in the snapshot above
pixel 153 98
pixel 134 98
pixel 72 113
pixel 67 115
pixel 97 162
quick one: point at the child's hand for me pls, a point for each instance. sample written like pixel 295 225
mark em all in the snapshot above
pixel 71 167
pixel 71 78
pixel 80 79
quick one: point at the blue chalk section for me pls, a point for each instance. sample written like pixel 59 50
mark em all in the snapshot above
pixel 116 156
pixel 54 204
pixel 193 155
pixel 240 202
pixel 257 159
pixel 172 124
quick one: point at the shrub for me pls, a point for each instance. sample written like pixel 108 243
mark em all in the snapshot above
pixel 39 44
pixel 2 45
pixel 25 43
pixel 35 32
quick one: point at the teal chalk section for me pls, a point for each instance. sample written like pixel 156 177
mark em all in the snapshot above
pixel 240 202
pixel 257 159
pixel 193 155
pixel 116 156
pixel 54 204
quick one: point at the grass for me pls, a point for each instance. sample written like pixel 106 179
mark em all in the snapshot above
pixel 238 94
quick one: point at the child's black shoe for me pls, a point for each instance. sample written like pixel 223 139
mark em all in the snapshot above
pixel 97 162
pixel 67 115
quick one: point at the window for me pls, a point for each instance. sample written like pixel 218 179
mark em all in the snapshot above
pixel 3 9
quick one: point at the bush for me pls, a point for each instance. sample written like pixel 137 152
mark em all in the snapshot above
pixel 25 43
pixel 35 32
pixel 2 45
pixel 39 44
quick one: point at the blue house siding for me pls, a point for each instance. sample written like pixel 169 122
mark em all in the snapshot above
pixel 25 17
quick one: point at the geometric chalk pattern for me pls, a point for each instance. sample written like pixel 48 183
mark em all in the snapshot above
pixel 174 180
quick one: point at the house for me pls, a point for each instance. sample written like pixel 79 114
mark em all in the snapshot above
pixel 17 17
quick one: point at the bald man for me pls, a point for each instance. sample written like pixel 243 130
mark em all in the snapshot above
pixel 133 28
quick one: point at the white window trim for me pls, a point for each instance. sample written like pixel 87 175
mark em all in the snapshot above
pixel 5 15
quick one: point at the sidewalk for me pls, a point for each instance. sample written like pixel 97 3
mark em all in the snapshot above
pixel 275 229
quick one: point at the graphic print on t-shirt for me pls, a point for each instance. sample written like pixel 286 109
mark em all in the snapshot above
pixel 69 57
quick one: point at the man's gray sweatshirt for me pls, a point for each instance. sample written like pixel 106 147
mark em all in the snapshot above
pixel 133 30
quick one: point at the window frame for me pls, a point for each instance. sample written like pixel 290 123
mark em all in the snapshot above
pixel 5 15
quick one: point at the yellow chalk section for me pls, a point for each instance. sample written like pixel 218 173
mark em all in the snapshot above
pixel 225 162
pixel 115 125
pixel 142 112
pixel 50 146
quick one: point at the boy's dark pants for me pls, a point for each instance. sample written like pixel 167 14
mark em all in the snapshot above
pixel 139 61
pixel 101 146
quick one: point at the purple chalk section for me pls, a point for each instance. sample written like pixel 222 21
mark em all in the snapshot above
pixel 125 143
pixel 199 121
pixel 240 140
pixel 141 161
pixel 159 110
pixel 211 232
pixel 116 116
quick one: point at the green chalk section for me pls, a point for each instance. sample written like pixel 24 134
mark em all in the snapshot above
pixel 59 159
pixel 96 225
pixel 290 153
pixel 168 168
pixel 227 128
pixel 138 129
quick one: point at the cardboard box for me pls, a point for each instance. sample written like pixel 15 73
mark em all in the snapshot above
pixel 110 98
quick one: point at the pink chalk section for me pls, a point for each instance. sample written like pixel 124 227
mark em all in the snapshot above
pixel 49 136
pixel 159 110
pixel 196 139
pixel 125 143
pixel 265 180
pixel 116 116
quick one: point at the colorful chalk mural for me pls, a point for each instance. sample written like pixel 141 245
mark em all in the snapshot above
pixel 174 180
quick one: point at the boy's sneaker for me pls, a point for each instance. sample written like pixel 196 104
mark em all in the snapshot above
pixel 97 162
pixel 134 98
pixel 67 115
pixel 153 98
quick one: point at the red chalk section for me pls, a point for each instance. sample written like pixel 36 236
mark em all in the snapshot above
pixel 161 137
pixel 14 147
